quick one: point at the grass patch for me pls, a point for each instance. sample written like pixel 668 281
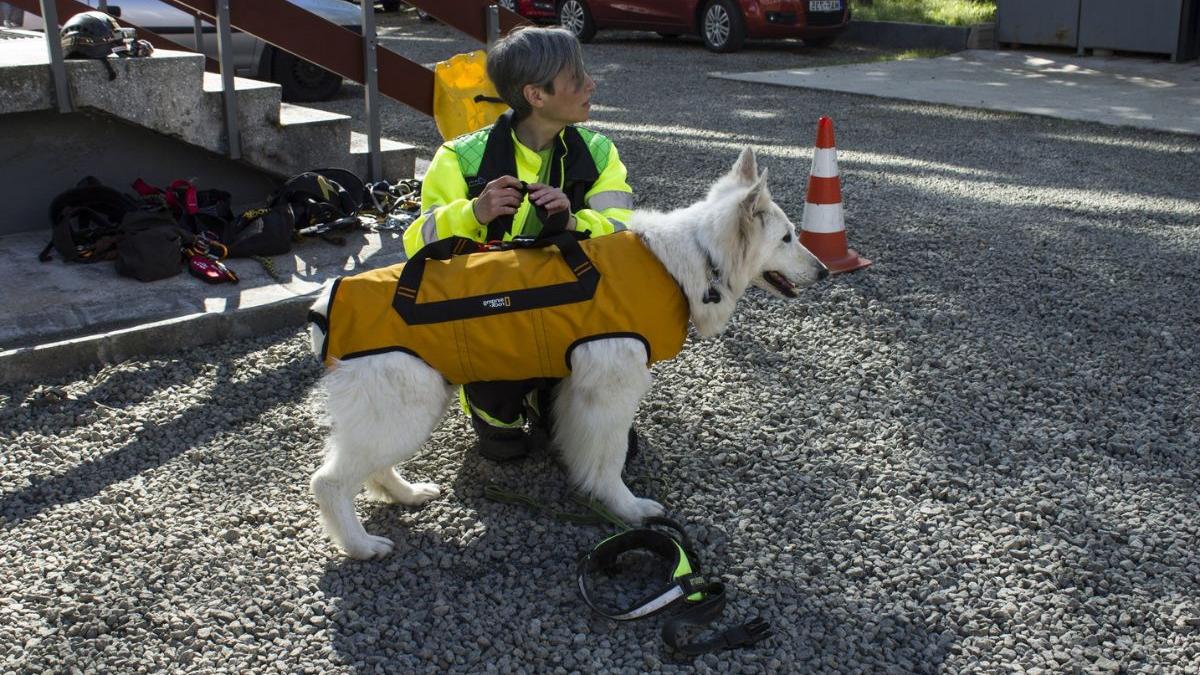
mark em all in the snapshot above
pixel 921 53
pixel 849 58
pixel 940 12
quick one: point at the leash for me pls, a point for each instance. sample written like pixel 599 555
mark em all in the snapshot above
pixel 690 600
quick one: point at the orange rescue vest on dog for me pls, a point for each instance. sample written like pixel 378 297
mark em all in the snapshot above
pixel 468 318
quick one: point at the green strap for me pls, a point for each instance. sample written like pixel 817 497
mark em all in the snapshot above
pixel 599 514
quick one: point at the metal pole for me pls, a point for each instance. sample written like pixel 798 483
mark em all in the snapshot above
pixel 58 69
pixel 1079 50
pixel 493 23
pixel 371 71
pixel 198 31
pixel 225 58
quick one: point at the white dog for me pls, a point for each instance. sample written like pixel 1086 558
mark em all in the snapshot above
pixel 384 406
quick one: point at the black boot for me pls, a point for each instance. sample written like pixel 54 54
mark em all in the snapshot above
pixel 500 445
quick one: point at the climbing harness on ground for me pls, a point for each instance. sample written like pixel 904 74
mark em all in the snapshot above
pixel 323 201
pixel 688 601
pixel 394 205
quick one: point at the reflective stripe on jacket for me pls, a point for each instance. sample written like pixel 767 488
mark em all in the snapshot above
pixel 633 297
pixel 585 166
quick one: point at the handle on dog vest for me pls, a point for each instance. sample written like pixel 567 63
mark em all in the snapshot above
pixel 587 278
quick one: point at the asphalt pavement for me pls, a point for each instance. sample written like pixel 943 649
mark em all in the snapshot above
pixel 978 455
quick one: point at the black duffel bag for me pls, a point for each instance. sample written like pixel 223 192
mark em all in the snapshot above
pixel 151 246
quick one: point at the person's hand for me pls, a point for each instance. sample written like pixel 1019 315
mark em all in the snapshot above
pixel 500 197
pixel 548 197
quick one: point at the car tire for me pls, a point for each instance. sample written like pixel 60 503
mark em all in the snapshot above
pixel 301 80
pixel 722 27
pixel 823 41
pixel 575 16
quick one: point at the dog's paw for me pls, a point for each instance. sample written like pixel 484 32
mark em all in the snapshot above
pixel 408 494
pixel 638 510
pixel 369 547
pixel 422 493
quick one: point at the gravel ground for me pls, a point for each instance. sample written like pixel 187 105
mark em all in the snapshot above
pixel 980 455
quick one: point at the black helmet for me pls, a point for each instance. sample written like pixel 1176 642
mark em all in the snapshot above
pixel 91 35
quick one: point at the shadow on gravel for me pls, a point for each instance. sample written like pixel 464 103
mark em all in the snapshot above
pixel 1057 330
pixel 155 445
pixel 1011 349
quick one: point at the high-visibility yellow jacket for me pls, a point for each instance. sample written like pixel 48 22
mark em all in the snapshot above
pixel 584 165
pixel 509 315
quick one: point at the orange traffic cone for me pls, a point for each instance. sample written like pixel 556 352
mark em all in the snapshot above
pixel 823 229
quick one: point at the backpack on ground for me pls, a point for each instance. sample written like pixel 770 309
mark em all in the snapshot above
pixel 85 222
pixel 261 232
pixel 151 246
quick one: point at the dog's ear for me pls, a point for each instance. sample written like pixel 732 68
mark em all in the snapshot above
pixel 756 198
pixel 750 208
pixel 745 169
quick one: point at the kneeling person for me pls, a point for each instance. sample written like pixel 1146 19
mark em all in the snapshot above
pixel 487 186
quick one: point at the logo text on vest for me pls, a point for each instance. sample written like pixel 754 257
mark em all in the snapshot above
pixel 497 303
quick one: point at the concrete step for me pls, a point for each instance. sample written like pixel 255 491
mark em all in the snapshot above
pixel 305 138
pixel 398 159
pixel 257 101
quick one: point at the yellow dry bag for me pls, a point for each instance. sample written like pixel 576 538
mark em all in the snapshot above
pixel 464 99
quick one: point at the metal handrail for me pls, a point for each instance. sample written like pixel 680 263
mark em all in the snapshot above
pixel 58 70
pixel 468 16
pixel 233 130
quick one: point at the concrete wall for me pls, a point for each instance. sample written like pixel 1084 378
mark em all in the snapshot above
pixel 45 153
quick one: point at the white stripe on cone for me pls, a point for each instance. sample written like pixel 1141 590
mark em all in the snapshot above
pixel 824 218
pixel 825 163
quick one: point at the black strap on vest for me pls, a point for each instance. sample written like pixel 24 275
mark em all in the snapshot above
pixel 500 159
pixel 676 594
pixel 587 278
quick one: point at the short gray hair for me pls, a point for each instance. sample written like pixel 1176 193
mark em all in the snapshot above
pixel 532 55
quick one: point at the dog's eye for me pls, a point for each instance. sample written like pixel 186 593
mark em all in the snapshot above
pixel 787 238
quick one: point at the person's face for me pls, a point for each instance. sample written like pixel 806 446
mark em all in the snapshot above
pixel 571 101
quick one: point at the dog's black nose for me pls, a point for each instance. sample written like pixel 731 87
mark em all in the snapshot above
pixel 822 274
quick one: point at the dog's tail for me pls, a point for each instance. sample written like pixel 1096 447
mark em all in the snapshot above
pixel 317 315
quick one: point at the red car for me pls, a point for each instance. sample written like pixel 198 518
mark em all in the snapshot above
pixel 723 24
pixel 541 11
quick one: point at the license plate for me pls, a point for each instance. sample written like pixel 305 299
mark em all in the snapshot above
pixel 824 5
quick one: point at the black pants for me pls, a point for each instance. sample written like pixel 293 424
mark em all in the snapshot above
pixel 499 410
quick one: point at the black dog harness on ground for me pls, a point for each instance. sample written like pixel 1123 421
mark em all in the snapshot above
pixel 698 602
